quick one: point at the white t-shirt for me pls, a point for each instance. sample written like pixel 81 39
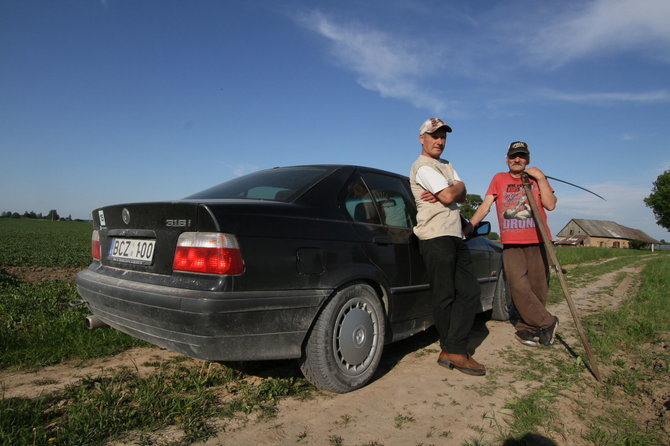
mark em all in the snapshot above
pixel 432 180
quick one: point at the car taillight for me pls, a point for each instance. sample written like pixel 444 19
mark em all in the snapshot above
pixel 209 253
pixel 95 244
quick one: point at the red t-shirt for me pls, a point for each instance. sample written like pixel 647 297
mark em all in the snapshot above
pixel 514 213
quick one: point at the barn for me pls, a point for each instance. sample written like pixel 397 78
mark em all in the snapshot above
pixel 600 233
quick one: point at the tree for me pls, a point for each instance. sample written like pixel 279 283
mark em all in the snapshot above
pixel 472 202
pixel 659 200
pixel 637 244
pixel 53 215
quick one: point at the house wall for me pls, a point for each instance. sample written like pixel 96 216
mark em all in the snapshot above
pixel 609 242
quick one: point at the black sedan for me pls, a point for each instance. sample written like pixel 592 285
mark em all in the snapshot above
pixel 314 262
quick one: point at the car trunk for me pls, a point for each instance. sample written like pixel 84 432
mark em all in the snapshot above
pixel 142 236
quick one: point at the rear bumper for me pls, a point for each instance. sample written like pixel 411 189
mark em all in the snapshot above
pixel 211 325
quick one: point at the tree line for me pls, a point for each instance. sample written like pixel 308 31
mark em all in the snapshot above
pixel 52 215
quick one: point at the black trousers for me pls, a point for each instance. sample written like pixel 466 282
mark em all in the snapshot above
pixel 455 290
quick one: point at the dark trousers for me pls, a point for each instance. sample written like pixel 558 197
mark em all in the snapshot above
pixel 455 290
pixel 527 272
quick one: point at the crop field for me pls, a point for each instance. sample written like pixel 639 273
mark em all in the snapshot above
pixel 28 242
pixel 42 324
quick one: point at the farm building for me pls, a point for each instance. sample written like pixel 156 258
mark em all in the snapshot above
pixel 603 233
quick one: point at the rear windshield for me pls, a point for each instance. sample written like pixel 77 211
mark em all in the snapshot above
pixel 279 184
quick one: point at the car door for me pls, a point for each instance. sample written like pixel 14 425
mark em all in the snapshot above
pixel 483 265
pixel 384 214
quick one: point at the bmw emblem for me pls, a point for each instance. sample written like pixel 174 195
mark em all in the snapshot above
pixel 125 215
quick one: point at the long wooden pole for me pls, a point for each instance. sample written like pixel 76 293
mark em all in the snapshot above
pixel 549 248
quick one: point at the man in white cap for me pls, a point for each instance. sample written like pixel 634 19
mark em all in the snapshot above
pixel 454 287
pixel 524 259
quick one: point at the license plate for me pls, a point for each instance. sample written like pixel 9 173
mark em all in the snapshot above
pixel 129 250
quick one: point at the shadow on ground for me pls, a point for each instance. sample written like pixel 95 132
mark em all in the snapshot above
pixel 392 355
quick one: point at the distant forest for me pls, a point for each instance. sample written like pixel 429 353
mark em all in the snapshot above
pixel 52 215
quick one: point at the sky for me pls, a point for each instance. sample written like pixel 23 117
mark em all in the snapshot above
pixel 114 101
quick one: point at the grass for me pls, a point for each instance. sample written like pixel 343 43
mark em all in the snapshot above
pixel 127 406
pixel 629 341
pixel 39 327
pixel 571 256
pixel 581 275
pixel 30 242
pixel 401 420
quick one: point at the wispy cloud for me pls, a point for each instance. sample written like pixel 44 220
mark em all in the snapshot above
pixel 648 97
pixel 384 63
pixel 604 26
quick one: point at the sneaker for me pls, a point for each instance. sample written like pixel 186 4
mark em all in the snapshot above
pixel 526 338
pixel 547 334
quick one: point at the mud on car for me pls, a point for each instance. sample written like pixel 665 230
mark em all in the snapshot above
pixel 317 263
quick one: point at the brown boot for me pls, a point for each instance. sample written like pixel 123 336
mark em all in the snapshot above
pixel 462 363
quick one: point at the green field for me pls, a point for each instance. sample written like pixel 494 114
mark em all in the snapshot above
pixel 38 324
pixel 31 242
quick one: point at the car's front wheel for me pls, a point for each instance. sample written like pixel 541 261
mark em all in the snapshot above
pixel 345 344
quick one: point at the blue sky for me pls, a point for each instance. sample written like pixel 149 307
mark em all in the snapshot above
pixel 114 101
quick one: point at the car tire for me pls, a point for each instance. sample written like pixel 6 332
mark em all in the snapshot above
pixel 345 344
pixel 502 300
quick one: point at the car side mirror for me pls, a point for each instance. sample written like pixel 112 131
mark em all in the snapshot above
pixel 482 228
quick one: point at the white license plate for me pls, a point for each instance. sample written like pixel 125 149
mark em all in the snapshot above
pixel 132 250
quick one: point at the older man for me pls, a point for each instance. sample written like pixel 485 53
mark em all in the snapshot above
pixel 455 290
pixel 524 258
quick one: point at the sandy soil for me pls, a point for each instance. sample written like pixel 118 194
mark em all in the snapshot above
pixel 447 407
pixel 412 400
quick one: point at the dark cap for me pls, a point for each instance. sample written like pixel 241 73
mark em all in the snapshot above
pixel 432 125
pixel 517 147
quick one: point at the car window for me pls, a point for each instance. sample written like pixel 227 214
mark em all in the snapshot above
pixel 359 203
pixel 379 199
pixel 280 184
pixel 392 199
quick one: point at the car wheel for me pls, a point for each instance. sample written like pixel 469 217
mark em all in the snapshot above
pixel 345 344
pixel 502 300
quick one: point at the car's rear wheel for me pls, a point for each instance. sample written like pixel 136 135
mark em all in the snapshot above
pixel 345 344
pixel 502 300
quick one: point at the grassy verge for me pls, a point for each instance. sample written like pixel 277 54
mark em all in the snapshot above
pixel 581 275
pixel 631 345
pixel 571 256
pixel 130 408
pixel 39 327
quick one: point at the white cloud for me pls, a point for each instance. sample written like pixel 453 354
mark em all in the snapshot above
pixel 384 63
pixel 605 26
pixel 648 97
